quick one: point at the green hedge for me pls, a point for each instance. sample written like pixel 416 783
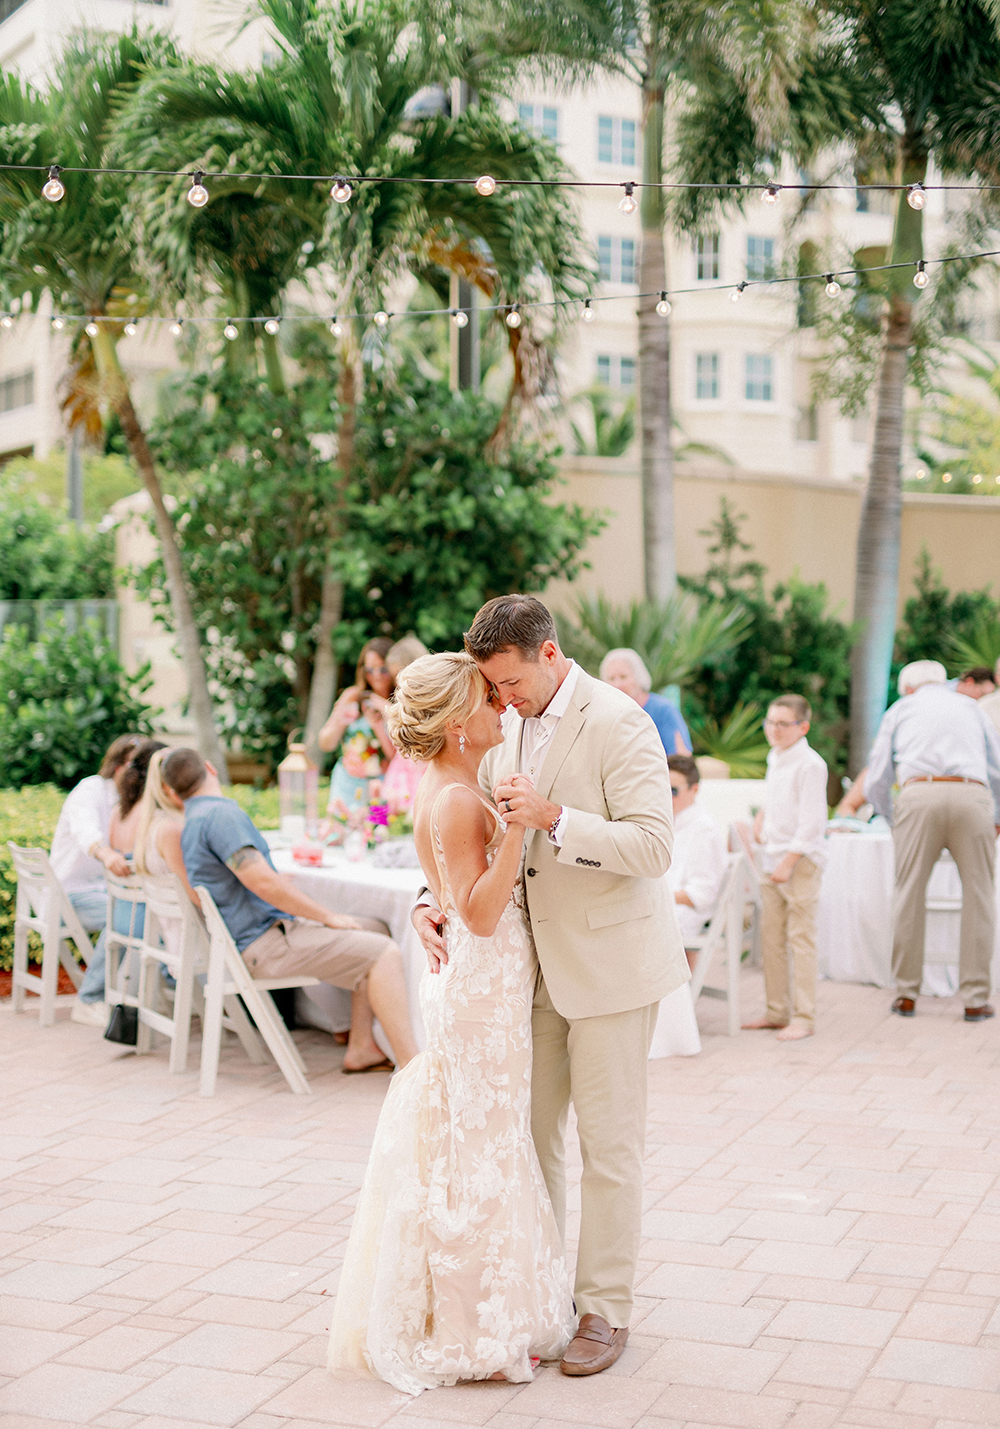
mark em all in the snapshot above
pixel 28 817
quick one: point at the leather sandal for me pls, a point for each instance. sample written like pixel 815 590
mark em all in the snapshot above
pixel 904 1007
pixel 594 1347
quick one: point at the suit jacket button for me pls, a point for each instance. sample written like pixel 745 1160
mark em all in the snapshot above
pixel 530 872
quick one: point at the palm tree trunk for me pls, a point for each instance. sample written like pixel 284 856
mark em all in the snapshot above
pixel 654 364
pixel 116 386
pixel 876 587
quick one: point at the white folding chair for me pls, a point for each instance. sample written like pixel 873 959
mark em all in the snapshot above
pixel 727 932
pixel 174 938
pixel 123 940
pixel 228 976
pixel 42 907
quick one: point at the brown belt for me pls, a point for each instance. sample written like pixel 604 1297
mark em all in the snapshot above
pixel 942 779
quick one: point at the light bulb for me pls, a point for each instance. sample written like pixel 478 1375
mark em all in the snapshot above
pixel 341 190
pixel 977 478
pixel 588 315
pixel 231 331
pixel 6 320
pixel 54 189
pixel 271 326
pixel 832 286
pixel 663 306
pixel 920 277
pixel 771 194
pixel 91 329
pixel 58 324
pixel 737 293
pixel 336 328
pixel 486 185
pixel 130 329
pixel 628 203
pixel 177 326
pixel 381 319
pixel 946 476
pixel 916 197
pixel 459 318
pixel 197 194
pixel 513 318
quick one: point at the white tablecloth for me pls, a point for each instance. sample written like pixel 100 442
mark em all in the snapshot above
pixel 854 935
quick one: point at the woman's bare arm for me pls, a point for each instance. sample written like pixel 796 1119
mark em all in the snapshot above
pixel 168 844
pixel 481 889
pixel 341 715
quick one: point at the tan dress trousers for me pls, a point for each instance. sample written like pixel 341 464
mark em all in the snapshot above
pixel 600 1064
pixel 788 938
pixel 929 818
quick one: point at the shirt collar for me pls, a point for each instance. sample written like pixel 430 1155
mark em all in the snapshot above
pixel 788 756
pixel 559 703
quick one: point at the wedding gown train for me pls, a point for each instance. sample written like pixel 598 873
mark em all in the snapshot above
pixel 455 1269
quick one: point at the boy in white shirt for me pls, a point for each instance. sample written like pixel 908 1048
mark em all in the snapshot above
pixel 698 867
pixel 792 828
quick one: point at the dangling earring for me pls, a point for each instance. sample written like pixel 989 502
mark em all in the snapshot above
pixel 461 744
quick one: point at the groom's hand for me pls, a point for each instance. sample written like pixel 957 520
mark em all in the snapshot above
pixel 519 802
pixel 428 923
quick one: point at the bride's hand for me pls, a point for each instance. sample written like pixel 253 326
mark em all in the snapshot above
pixel 518 802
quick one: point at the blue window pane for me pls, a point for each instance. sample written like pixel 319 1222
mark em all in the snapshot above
pixel 550 123
pixel 526 114
pixel 760 257
pixel 628 260
pixel 628 141
pixel 759 387
pixel 604 248
pixel 628 372
pixel 605 139
pixel 707 376
pixel 604 371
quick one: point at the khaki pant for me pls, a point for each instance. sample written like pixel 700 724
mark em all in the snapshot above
pixel 788 937
pixel 600 1064
pixel 929 818
pixel 294 946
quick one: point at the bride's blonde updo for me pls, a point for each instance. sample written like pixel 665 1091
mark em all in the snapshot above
pixel 433 692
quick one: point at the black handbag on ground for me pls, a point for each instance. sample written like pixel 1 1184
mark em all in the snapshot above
pixel 123 1025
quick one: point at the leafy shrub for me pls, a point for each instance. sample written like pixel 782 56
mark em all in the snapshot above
pixel 960 630
pixel 63 698
pixel 45 557
pixel 738 741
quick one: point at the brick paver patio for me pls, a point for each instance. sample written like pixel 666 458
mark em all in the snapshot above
pixel 822 1237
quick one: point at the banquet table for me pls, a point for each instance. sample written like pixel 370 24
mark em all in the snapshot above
pixel 854 933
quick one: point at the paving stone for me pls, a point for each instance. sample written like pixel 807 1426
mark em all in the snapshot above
pixel 235 1347
pixel 928 1362
pixel 58 1391
pixel 117 1348
pixel 832 1366
pixel 835 1324
pixel 212 1396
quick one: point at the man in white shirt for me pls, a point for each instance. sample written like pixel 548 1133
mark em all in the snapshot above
pixel 698 868
pixel 941 750
pixel 792 828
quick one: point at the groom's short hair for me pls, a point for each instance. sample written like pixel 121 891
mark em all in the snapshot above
pixel 520 622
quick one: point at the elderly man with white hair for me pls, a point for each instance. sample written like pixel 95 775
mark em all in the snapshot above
pixel 944 754
pixel 626 670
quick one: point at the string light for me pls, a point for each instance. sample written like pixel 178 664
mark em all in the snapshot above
pixel 737 292
pixel 271 326
pixel 771 194
pixel 628 203
pixel 54 189
pixel 513 318
pixel 381 319
pixel 342 190
pixel 486 185
pixel 832 286
pixel 231 331
pixel 459 318
pixel 177 326
pixel 91 329
pixel 916 196
pixel 977 478
pixel 588 315
pixel 6 320
pixel 663 306
pixel 58 324
pixel 197 194
pixel 335 327
pixel 947 476
pixel 920 278
pixel 130 329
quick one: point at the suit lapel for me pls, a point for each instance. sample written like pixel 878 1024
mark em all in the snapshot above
pixel 565 736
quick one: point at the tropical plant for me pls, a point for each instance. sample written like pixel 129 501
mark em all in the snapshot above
pixel 45 557
pixel 674 638
pixel 83 250
pixel 979 646
pixel 737 740
pixel 960 630
pixel 340 100
pixel 614 431
pixel 969 428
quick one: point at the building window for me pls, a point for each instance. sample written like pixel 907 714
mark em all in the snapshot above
pixel 706 252
pixel 615 140
pixel 616 259
pixel 760 257
pixel 619 372
pixel 759 378
pixel 706 376
pixel 540 119
pixel 17 390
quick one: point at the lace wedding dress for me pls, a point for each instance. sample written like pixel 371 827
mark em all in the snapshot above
pixel 455 1269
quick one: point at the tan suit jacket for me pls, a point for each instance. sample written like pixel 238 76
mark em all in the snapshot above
pixel 601 912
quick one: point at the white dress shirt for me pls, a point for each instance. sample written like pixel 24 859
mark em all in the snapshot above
pixel 795 808
pixel 539 730
pixel 933 731
pixel 84 820
pixel 990 706
pixel 698 868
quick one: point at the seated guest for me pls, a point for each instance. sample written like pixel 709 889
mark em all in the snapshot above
pixel 279 931
pixel 990 704
pixel 81 851
pixel 626 670
pixel 976 682
pixel 357 726
pixel 402 778
pixel 157 849
pixel 698 868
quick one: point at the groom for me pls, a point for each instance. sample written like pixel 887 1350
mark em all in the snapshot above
pixel 584 769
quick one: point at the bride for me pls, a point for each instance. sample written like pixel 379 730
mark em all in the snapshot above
pixel 455 1269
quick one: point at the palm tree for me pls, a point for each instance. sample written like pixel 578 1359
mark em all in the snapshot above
pixel 913 81
pixel 339 101
pixel 82 250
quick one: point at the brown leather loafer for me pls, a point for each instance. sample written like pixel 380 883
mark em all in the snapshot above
pixel 904 1006
pixel 979 1014
pixel 594 1347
